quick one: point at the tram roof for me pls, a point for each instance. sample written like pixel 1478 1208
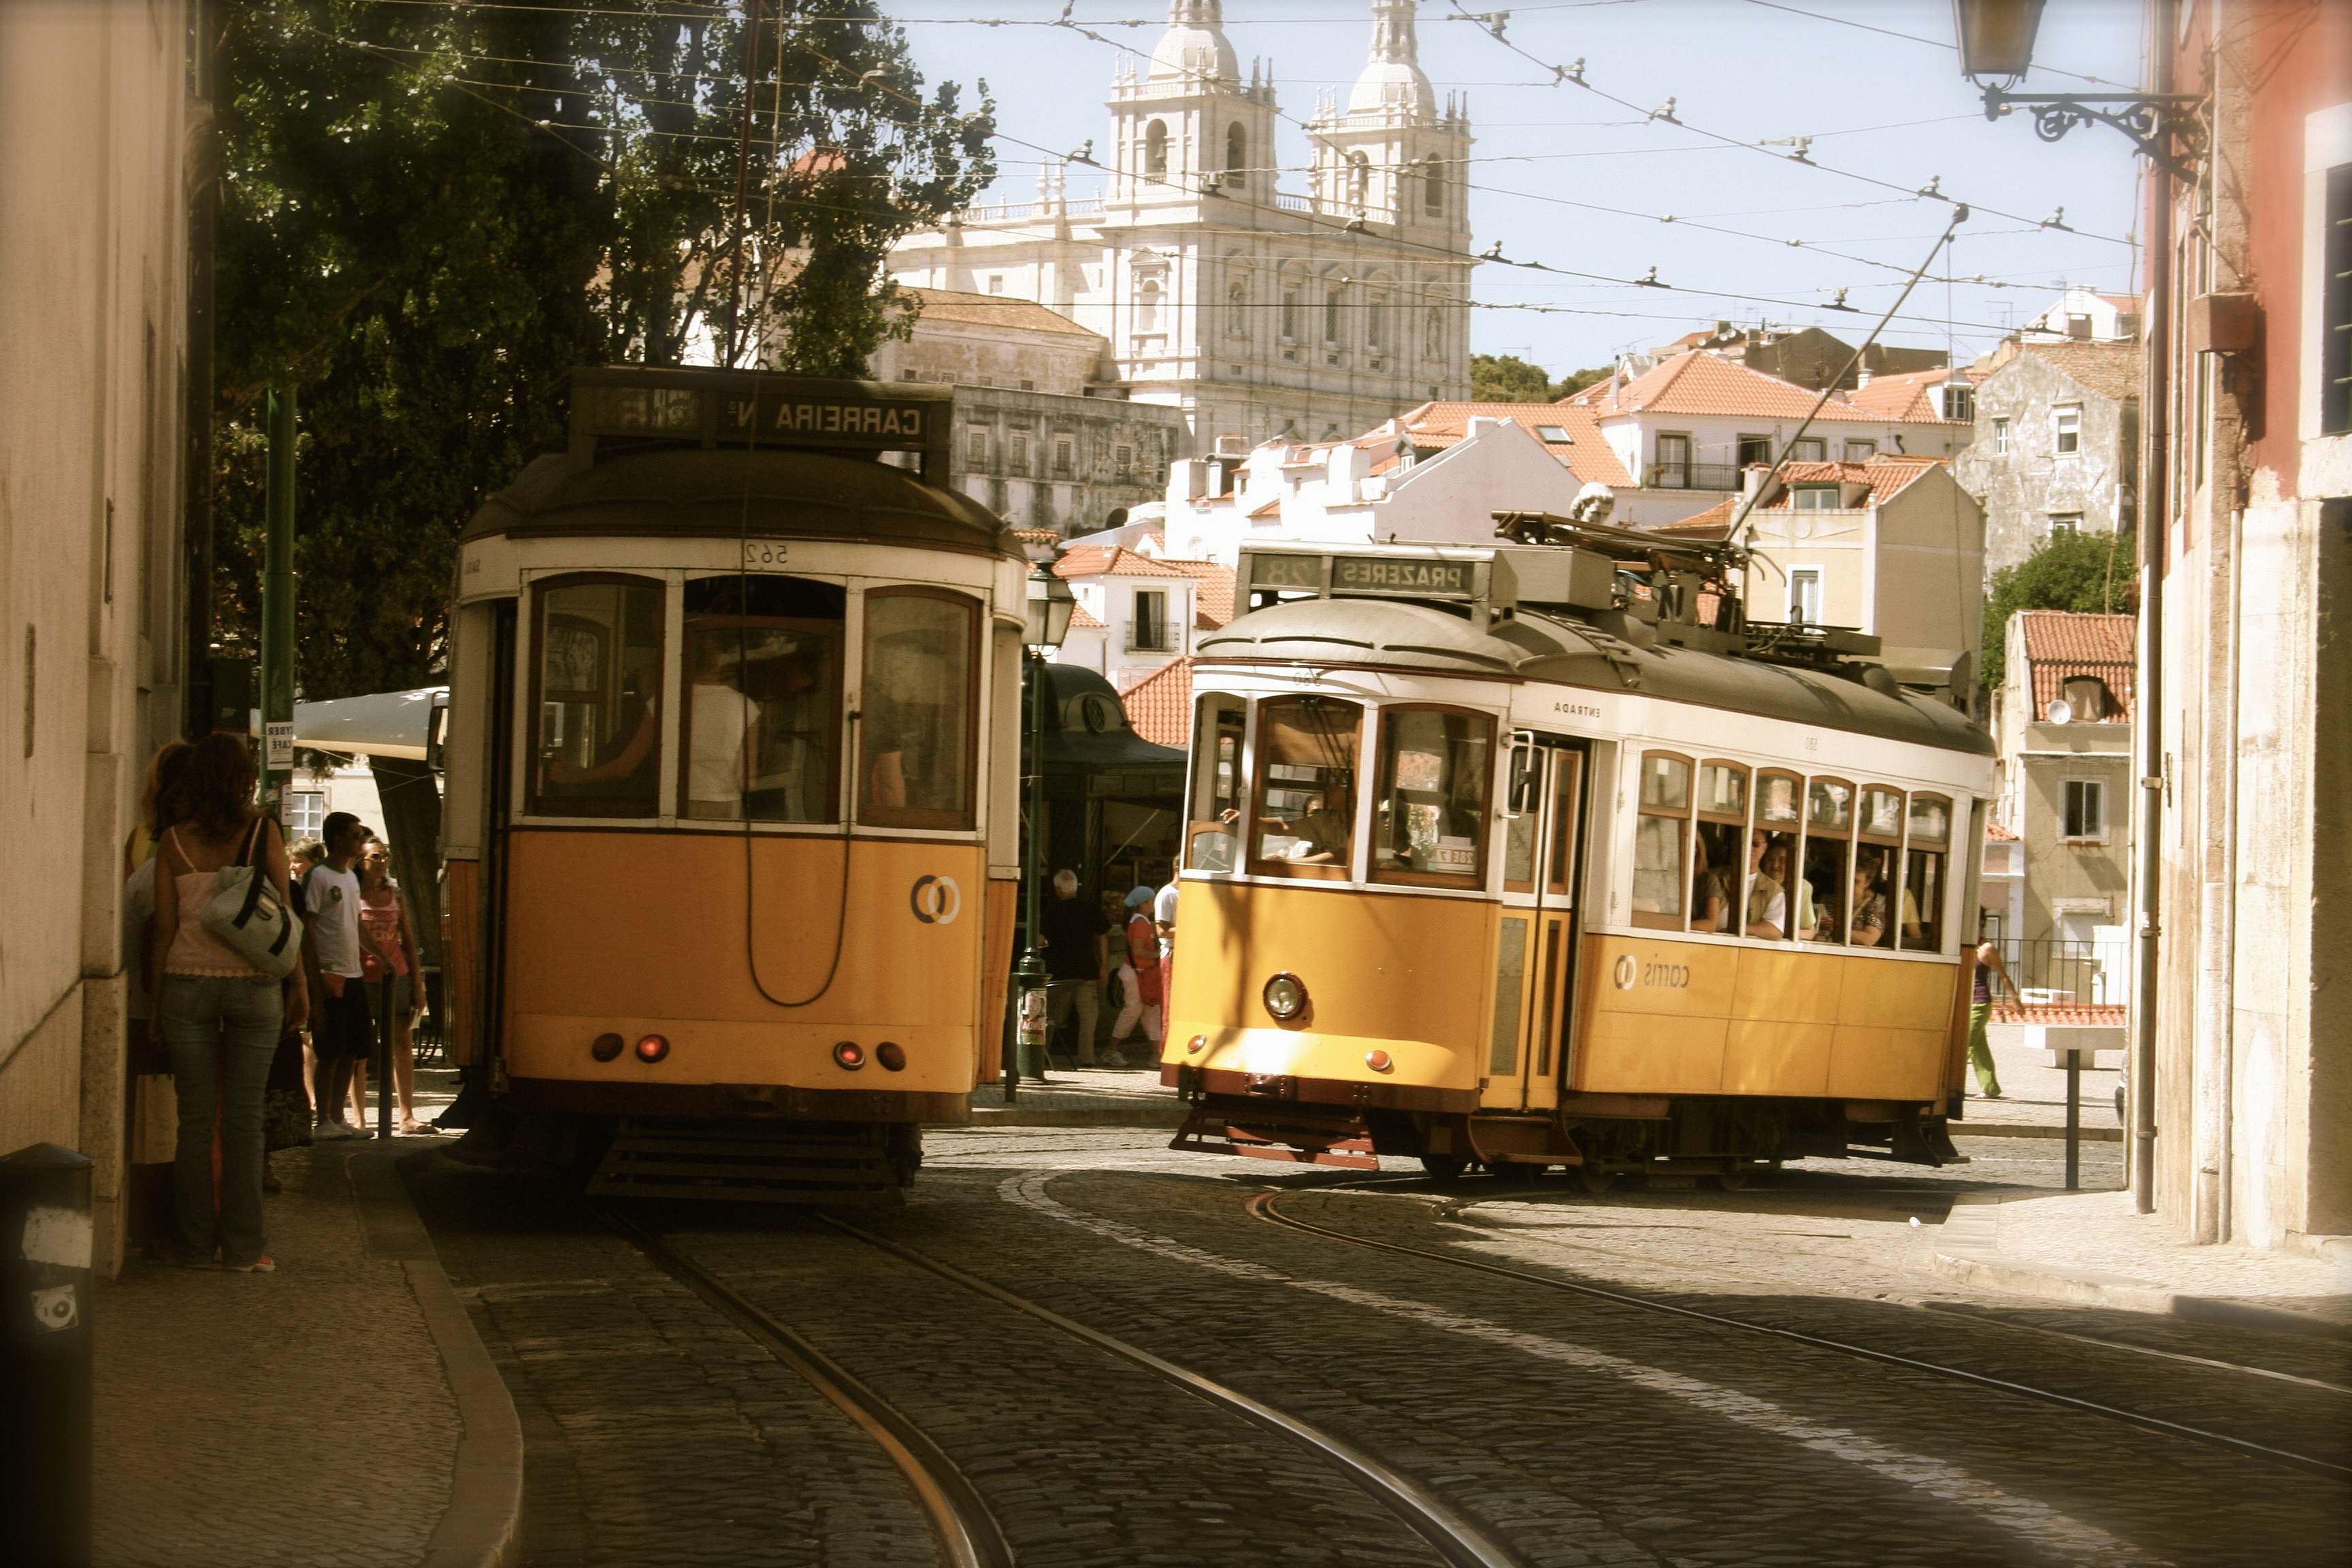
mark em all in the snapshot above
pixel 705 491
pixel 1533 646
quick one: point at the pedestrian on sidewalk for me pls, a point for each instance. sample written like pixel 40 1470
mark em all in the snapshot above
pixel 1123 999
pixel 219 1016
pixel 1163 920
pixel 1981 999
pixel 333 947
pixel 1077 961
pixel 149 1135
pixel 1143 953
pixel 389 971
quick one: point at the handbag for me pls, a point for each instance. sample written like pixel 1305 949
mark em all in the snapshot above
pixel 246 912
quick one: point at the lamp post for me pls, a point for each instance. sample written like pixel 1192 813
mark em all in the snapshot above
pixel 1996 40
pixel 1050 602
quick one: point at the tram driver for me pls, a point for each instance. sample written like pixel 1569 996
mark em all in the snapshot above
pixel 625 763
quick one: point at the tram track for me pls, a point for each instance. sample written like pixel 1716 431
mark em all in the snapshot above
pixel 1264 1205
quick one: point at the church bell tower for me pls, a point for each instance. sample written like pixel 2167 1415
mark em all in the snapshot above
pixel 1393 154
pixel 1185 125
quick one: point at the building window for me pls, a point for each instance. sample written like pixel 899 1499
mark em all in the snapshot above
pixel 2000 438
pixel 2066 431
pixel 1236 157
pixel 1805 595
pixel 2065 522
pixel 1376 324
pixel 1433 188
pixel 1289 314
pixel 1122 460
pixel 304 813
pixel 1816 498
pixel 996 282
pixel 2086 809
pixel 1960 403
pixel 2078 328
pixel 1808 450
pixel 1149 631
pixel 1335 305
pixel 1065 454
pixel 976 449
pixel 1017 459
pixel 1672 462
pixel 2336 306
pixel 1155 149
pixel 1861 451
pixel 1755 449
pixel 2087 700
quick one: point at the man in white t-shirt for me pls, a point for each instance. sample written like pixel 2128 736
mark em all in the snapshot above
pixel 334 944
pixel 721 724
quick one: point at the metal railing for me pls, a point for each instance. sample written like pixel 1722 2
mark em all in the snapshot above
pixel 1693 477
pixel 2065 970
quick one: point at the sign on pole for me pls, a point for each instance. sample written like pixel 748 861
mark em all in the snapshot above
pixel 279 745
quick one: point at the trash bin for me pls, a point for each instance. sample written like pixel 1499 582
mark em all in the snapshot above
pixel 45 1357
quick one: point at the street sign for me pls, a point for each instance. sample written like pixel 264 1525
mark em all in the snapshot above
pixel 279 745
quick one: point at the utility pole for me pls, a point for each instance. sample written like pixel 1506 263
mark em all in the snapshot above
pixel 277 604
pixel 199 714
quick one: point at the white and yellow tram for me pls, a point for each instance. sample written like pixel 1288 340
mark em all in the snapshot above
pixel 1538 855
pixel 732 811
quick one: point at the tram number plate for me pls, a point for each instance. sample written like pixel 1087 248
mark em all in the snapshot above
pixel 765 553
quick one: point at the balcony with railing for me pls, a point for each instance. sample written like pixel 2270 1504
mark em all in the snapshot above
pixel 1666 476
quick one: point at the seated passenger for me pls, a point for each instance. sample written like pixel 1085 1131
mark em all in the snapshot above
pixel 1869 927
pixel 625 763
pixel 1768 901
pixel 1710 901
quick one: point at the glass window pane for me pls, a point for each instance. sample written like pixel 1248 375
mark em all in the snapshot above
pixel 1665 783
pixel 1510 982
pixel 1776 799
pixel 1658 881
pixel 1931 819
pixel 1304 822
pixel 598 751
pixel 1211 843
pixel 1922 914
pixel 1867 897
pixel 1430 806
pixel 1771 856
pixel 916 732
pixel 1714 875
pixel 762 716
pixel 1722 791
pixel 1830 806
pixel 1881 813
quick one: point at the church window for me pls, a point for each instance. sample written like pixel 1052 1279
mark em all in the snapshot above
pixel 1237 323
pixel 1155 149
pixel 1290 312
pixel 1236 157
pixel 1433 188
pixel 1146 308
pixel 1335 303
pixel 1066 456
pixel 1376 323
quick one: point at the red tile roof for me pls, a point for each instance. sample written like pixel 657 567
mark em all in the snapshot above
pixel 1701 383
pixel 1887 475
pixel 2062 645
pixel 994 310
pixel 1586 452
pixel 1712 523
pixel 1109 561
pixel 2098 1014
pixel 2111 370
pixel 1905 396
pixel 1083 620
pixel 1212 595
pixel 1159 706
pixel 1996 834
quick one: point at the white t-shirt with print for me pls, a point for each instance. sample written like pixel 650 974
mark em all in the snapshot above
pixel 331 905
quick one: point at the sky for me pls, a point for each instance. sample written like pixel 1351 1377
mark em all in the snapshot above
pixel 1552 159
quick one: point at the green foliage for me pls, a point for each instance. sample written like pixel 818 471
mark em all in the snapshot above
pixel 1506 378
pixel 2083 571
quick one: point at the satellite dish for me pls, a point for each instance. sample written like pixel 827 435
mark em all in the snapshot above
pixel 2060 711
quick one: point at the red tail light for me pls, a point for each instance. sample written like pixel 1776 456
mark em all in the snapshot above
pixel 850 1055
pixel 1196 1045
pixel 891 1055
pixel 606 1046
pixel 1377 1061
pixel 652 1047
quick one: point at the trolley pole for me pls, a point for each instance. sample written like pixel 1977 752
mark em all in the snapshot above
pixel 277 605
pixel 1030 1036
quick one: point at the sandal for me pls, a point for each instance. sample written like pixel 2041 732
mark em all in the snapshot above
pixel 411 1128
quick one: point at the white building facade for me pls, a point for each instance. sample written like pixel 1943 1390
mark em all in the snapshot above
pixel 1261 313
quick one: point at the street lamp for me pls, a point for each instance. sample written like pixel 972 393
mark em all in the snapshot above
pixel 1047 622
pixel 1996 41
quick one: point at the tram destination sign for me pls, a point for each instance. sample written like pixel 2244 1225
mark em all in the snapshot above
pixel 751 408
pixel 1404 576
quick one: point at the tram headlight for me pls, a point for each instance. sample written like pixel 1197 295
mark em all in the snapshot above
pixel 605 1046
pixel 652 1047
pixel 850 1055
pixel 891 1055
pixel 1285 996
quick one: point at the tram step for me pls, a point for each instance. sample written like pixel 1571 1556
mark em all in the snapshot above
pixel 795 1163
pixel 1299 1137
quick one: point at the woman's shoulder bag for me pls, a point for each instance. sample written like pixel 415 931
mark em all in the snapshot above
pixel 246 912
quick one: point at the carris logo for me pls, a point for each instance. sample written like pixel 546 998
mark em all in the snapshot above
pixel 937 900
pixel 1624 971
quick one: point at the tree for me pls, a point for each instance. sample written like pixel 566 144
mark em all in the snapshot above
pixel 2071 570
pixel 1506 378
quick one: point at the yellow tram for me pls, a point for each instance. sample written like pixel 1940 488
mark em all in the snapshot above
pixel 731 800
pixel 1537 854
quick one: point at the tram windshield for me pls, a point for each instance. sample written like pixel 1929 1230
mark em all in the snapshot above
pixel 1304 820
pixel 918 695
pixel 1430 808
pixel 597 751
pixel 1213 822
pixel 762 699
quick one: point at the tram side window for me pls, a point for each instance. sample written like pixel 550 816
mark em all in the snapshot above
pixel 1304 824
pixel 1660 842
pixel 1875 868
pixel 1774 887
pixel 1214 823
pixel 762 712
pixel 1922 914
pixel 918 696
pixel 1828 833
pixel 598 749
pixel 1716 859
pixel 1430 807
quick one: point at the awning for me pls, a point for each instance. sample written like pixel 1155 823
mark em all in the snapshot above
pixel 380 724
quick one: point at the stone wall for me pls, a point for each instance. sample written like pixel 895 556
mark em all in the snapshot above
pixel 2022 490
pixel 1011 447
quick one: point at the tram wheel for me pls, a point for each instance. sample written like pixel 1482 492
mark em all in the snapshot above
pixel 1445 1167
pixel 1732 1179
pixel 1595 1180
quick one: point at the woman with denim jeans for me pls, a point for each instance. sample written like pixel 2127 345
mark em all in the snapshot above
pixel 218 1016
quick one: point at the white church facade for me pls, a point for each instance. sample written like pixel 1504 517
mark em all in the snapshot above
pixel 1261 313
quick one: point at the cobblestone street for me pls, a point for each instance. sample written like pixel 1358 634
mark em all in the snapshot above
pixel 1818 1393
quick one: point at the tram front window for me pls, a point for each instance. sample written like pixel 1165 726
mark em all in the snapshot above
pixel 762 699
pixel 1429 813
pixel 1662 842
pixel 1210 838
pixel 597 748
pixel 915 733
pixel 1304 824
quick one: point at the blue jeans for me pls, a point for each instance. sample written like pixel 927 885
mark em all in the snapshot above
pixel 222 1034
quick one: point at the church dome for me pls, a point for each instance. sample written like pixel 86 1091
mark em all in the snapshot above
pixel 1392 79
pixel 1195 47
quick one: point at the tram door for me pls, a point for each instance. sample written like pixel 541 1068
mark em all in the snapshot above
pixel 1534 956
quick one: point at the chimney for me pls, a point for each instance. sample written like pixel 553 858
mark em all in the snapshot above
pixel 1862 378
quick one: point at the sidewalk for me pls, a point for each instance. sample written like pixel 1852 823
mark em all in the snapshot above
pixel 339 1410
pixel 2033 1095
pixel 1083 1097
pixel 2091 1249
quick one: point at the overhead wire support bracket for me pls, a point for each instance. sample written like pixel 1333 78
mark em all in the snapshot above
pixel 2154 120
